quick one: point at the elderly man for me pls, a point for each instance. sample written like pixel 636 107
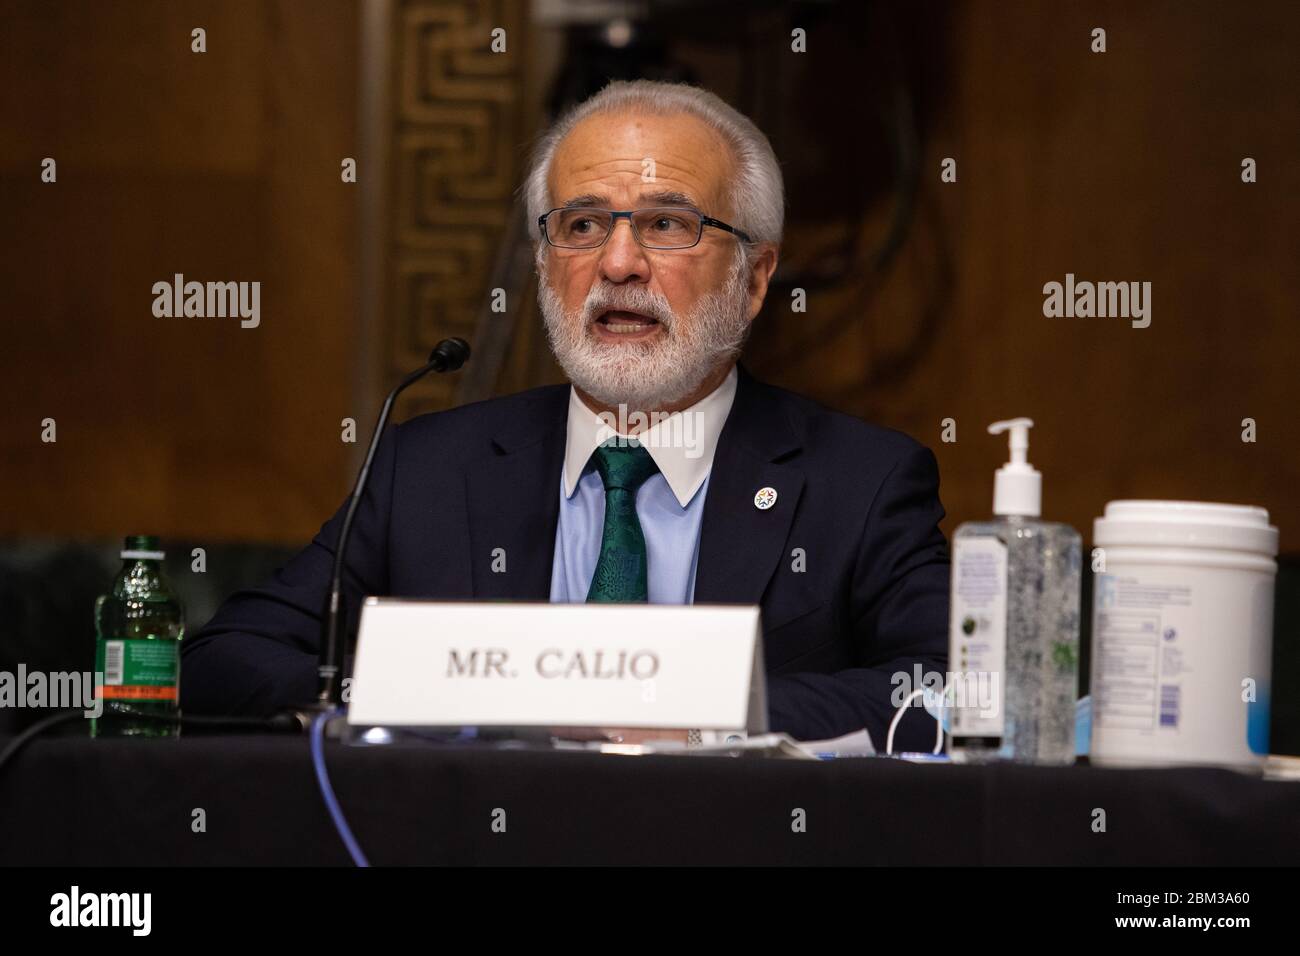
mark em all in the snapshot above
pixel 664 472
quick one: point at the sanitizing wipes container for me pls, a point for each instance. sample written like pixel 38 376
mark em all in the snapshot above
pixel 1182 634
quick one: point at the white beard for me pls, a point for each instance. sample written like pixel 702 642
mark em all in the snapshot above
pixel 646 376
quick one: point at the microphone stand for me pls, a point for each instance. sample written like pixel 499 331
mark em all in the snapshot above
pixel 447 356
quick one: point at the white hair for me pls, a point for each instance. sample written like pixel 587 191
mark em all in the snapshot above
pixel 757 193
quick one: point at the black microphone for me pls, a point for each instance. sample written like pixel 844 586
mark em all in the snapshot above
pixel 447 356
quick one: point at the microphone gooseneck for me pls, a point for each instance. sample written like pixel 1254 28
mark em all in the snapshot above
pixel 447 356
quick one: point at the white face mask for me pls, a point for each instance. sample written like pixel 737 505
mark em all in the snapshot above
pixel 647 376
pixel 938 704
pixel 932 699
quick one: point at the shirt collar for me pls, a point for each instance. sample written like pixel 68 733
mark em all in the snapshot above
pixel 681 444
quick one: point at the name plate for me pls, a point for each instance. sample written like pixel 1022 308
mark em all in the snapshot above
pixel 432 664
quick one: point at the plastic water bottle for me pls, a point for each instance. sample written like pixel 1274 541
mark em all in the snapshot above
pixel 138 626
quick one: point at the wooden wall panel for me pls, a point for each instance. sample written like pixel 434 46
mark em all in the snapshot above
pixel 1116 166
pixel 1123 165
pixel 223 166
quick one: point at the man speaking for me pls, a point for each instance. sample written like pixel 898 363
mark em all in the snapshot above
pixel 664 472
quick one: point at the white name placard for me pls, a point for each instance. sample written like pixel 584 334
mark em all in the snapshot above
pixel 432 664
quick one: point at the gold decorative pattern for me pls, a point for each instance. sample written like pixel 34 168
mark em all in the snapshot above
pixel 457 131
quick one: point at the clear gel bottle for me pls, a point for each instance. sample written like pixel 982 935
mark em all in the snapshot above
pixel 1013 652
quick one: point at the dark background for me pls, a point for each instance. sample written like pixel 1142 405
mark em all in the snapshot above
pixel 924 298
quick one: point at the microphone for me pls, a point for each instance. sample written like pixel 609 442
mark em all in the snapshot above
pixel 447 356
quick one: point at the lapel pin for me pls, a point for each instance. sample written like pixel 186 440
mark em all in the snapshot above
pixel 765 498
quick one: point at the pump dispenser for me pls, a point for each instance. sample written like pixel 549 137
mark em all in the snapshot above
pixel 1017 485
pixel 1014 629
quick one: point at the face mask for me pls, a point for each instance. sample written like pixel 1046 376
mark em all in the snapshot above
pixel 937 705
pixel 1082 726
pixel 933 702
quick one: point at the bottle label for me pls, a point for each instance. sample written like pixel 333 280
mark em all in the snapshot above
pixel 1181 664
pixel 977 645
pixel 147 670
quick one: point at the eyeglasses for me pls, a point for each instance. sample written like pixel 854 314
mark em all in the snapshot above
pixel 657 227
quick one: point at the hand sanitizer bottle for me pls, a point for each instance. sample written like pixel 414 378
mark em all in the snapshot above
pixel 1014 632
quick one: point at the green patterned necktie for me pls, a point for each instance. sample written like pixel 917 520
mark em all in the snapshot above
pixel 624 466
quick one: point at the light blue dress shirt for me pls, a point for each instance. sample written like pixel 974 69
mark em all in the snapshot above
pixel 669 506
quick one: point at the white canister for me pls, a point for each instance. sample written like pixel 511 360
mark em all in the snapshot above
pixel 1182 634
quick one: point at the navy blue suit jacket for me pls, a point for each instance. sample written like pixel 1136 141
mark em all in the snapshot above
pixel 860 502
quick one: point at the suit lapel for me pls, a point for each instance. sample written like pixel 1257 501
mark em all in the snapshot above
pixel 513 501
pixel 740 543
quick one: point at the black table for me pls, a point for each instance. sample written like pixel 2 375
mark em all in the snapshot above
pixel 75 801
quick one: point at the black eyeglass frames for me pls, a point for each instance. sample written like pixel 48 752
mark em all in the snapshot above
pixel 655 227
